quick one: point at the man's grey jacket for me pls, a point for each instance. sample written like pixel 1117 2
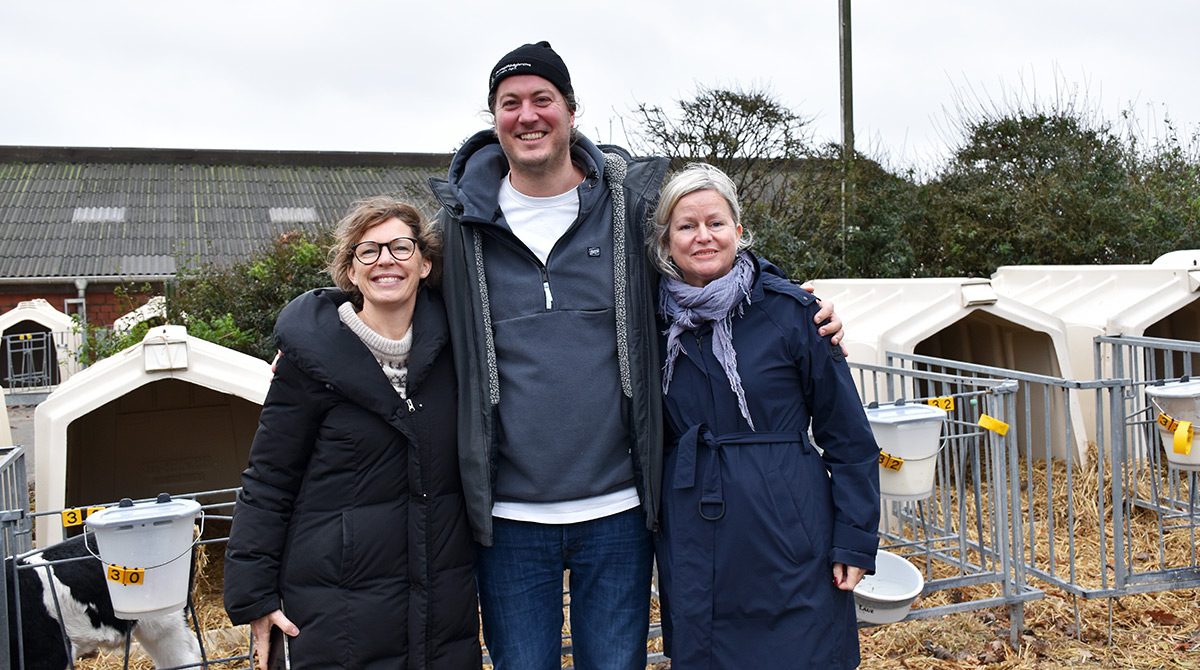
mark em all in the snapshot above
pixel 558 368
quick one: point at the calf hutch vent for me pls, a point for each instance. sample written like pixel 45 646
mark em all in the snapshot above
pixel 961 320
pixel 172 413
pixel 38 346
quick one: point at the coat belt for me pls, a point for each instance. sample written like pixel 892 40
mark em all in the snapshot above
pixel 712 496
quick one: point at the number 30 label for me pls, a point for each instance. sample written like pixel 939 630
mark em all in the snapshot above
pixel 127 576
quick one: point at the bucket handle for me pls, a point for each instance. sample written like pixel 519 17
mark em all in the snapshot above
pixel 195 541
pixel 937 452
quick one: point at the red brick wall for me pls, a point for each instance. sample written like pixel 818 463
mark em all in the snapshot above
pixel 105 307
pixel 103 304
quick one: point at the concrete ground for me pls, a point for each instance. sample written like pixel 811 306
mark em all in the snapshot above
pixel 20 424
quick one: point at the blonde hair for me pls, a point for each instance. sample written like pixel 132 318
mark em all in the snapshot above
pixel 693 177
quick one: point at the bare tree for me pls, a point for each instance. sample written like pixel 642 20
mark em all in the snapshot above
pixel 748 133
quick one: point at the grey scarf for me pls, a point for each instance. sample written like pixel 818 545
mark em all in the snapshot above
pixel 687 308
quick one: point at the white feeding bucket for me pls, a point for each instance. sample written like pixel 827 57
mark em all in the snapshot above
pixel 1177 410
pixel 146 550
pixel 888 595
pixel 908 437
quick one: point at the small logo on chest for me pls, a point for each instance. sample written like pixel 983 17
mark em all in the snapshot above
pixel 593 252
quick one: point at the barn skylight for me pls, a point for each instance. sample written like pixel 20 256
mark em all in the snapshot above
pixel 99 215
pixel 293 215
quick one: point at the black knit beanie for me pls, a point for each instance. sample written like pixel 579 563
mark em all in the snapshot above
pixel 537 59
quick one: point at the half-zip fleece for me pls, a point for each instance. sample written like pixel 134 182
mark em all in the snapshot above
pixel 469 310
pixel 563 430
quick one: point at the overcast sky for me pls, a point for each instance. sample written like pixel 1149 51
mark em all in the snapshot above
pixel 370 75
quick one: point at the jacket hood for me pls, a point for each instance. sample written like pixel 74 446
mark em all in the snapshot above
pixel 480 164
pixel 768 277
pixel 312 337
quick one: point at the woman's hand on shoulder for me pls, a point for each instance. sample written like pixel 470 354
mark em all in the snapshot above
pixel 834 327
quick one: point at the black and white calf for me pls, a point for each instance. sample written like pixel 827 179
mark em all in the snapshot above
pixel 87 613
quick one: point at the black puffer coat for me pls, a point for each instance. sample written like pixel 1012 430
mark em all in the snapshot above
pixel 351 511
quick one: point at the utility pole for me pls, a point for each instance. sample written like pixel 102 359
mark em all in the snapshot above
pixel 847 113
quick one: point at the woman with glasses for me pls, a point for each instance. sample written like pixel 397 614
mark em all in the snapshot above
pixel 350 534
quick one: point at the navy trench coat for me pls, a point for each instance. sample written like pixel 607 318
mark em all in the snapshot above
pixel 752 521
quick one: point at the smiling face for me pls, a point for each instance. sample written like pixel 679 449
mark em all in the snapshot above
pixel 533 123
pixel 388 283
pixel 703 239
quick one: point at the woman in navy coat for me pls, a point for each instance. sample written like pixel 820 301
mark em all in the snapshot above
pixel 763 535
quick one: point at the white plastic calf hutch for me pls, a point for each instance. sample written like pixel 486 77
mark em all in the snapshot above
pixel 172 414
pixel 48 357
pixel 957 319
pixel 6 438
pixel 155 308
pixel 1159 300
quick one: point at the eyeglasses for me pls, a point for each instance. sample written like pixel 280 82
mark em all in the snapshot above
pixel 401 248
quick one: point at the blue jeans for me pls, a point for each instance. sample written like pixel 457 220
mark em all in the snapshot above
pixel 520 592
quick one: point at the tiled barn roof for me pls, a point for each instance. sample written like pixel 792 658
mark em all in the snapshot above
pixel 130 213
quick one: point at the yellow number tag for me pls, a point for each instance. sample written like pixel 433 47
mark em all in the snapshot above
pixel 890 462
pixel 944 402
pixel 993 424
pixel 1167 422
pixel 114 573
pixel 1183 438
pixel 75 516
pixel 127 576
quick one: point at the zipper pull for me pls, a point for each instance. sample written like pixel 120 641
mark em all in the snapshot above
pixel 549 298
pixel 411 408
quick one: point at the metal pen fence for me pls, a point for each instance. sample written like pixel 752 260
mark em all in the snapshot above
pixel 31 361
pixel 38 361
pixel 963 534
pixel 217 506
pixel 1162 496
pixel 15 526
pixel 1109 519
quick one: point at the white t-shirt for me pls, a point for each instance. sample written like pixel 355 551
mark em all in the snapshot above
pixel 538 222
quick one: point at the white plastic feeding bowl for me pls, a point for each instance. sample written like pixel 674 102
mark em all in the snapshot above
pixel 1181 402
pixel 888 595
pixel 911 434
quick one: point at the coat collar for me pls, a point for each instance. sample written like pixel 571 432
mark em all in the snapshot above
pixel 478 167
pixel 312 337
